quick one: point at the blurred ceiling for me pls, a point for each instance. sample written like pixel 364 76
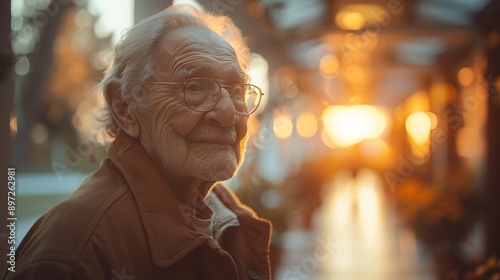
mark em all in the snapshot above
pixel 408 42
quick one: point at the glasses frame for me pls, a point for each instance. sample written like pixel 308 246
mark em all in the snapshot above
pixel 260 93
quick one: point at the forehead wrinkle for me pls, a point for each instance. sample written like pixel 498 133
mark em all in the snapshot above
pixel 196 66
pixel 184 65
pixel 168 55
pixel 193 49
pixel 189 47
pixel 225 69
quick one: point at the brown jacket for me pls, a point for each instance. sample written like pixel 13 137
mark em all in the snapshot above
pixel 124 222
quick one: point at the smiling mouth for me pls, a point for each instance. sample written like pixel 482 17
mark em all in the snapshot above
pixel 217 137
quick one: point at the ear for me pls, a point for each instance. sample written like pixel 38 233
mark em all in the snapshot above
pixel 123 112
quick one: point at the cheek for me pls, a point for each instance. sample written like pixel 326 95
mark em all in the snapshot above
pixel 185 121
pixel 171 114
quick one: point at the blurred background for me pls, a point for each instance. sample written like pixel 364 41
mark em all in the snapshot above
pixel 374 153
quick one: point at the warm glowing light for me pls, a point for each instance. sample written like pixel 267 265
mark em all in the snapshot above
pixel 341 197
pixel 307 124
pixel 356 217
pixel 418 102
pixel 77 73
pixel 328 65
pixel 378 121
pixel 433 118
pixel 355 74
pixel 465 76
pixel 350 20
pixel 442 93
pixel 361 45
pixel 465 143
pixel 348 125
pixel 13 124
pixel 355 16
pixel 369 197
pixel 282 125
pixel 418 126
pixel 360 56
pixel 253 125
pixel 345 127
pixel 327 140
pixel 376 152
pixel 258 73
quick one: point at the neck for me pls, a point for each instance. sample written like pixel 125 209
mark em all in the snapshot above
pixel 190 191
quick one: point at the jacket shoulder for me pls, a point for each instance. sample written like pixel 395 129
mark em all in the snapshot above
pixel 46 270
pixel 62 234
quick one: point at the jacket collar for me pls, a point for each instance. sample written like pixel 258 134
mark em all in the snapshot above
pixel 170 232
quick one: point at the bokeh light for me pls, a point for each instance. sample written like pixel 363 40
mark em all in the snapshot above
pixel 307 124
pixel 349 125
pixel 418 126
pixel 258 73
pixel 22 66
pixel 466 76
pixel 328 65
pixel 13 124
pixel 39 133
pixel 417 102
pixel 350 20
pixel 282 124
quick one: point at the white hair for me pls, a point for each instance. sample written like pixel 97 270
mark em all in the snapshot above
pixel 134 60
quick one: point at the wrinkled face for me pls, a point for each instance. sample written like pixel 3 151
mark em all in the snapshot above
pixel 184 143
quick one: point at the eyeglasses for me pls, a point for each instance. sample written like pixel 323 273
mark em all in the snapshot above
pixel 202 94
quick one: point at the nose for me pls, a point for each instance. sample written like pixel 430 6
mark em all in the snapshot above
pixel 224 113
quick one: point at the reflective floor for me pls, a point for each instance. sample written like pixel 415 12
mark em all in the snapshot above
pixel 354 236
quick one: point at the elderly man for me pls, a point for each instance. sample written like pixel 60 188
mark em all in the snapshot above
pixel 178 103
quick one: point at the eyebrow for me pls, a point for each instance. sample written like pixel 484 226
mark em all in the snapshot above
pixel 189 71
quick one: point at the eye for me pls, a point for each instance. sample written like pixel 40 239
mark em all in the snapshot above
pixel 238 91
pixel 194 86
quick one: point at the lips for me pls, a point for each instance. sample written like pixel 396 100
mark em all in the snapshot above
pixel 222 139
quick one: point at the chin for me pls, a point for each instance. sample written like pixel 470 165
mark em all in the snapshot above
pixel 215 163
pixel 220 176
pixel 217 169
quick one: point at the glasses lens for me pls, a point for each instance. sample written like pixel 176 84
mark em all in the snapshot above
pixel 201 94
pixel 245 98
